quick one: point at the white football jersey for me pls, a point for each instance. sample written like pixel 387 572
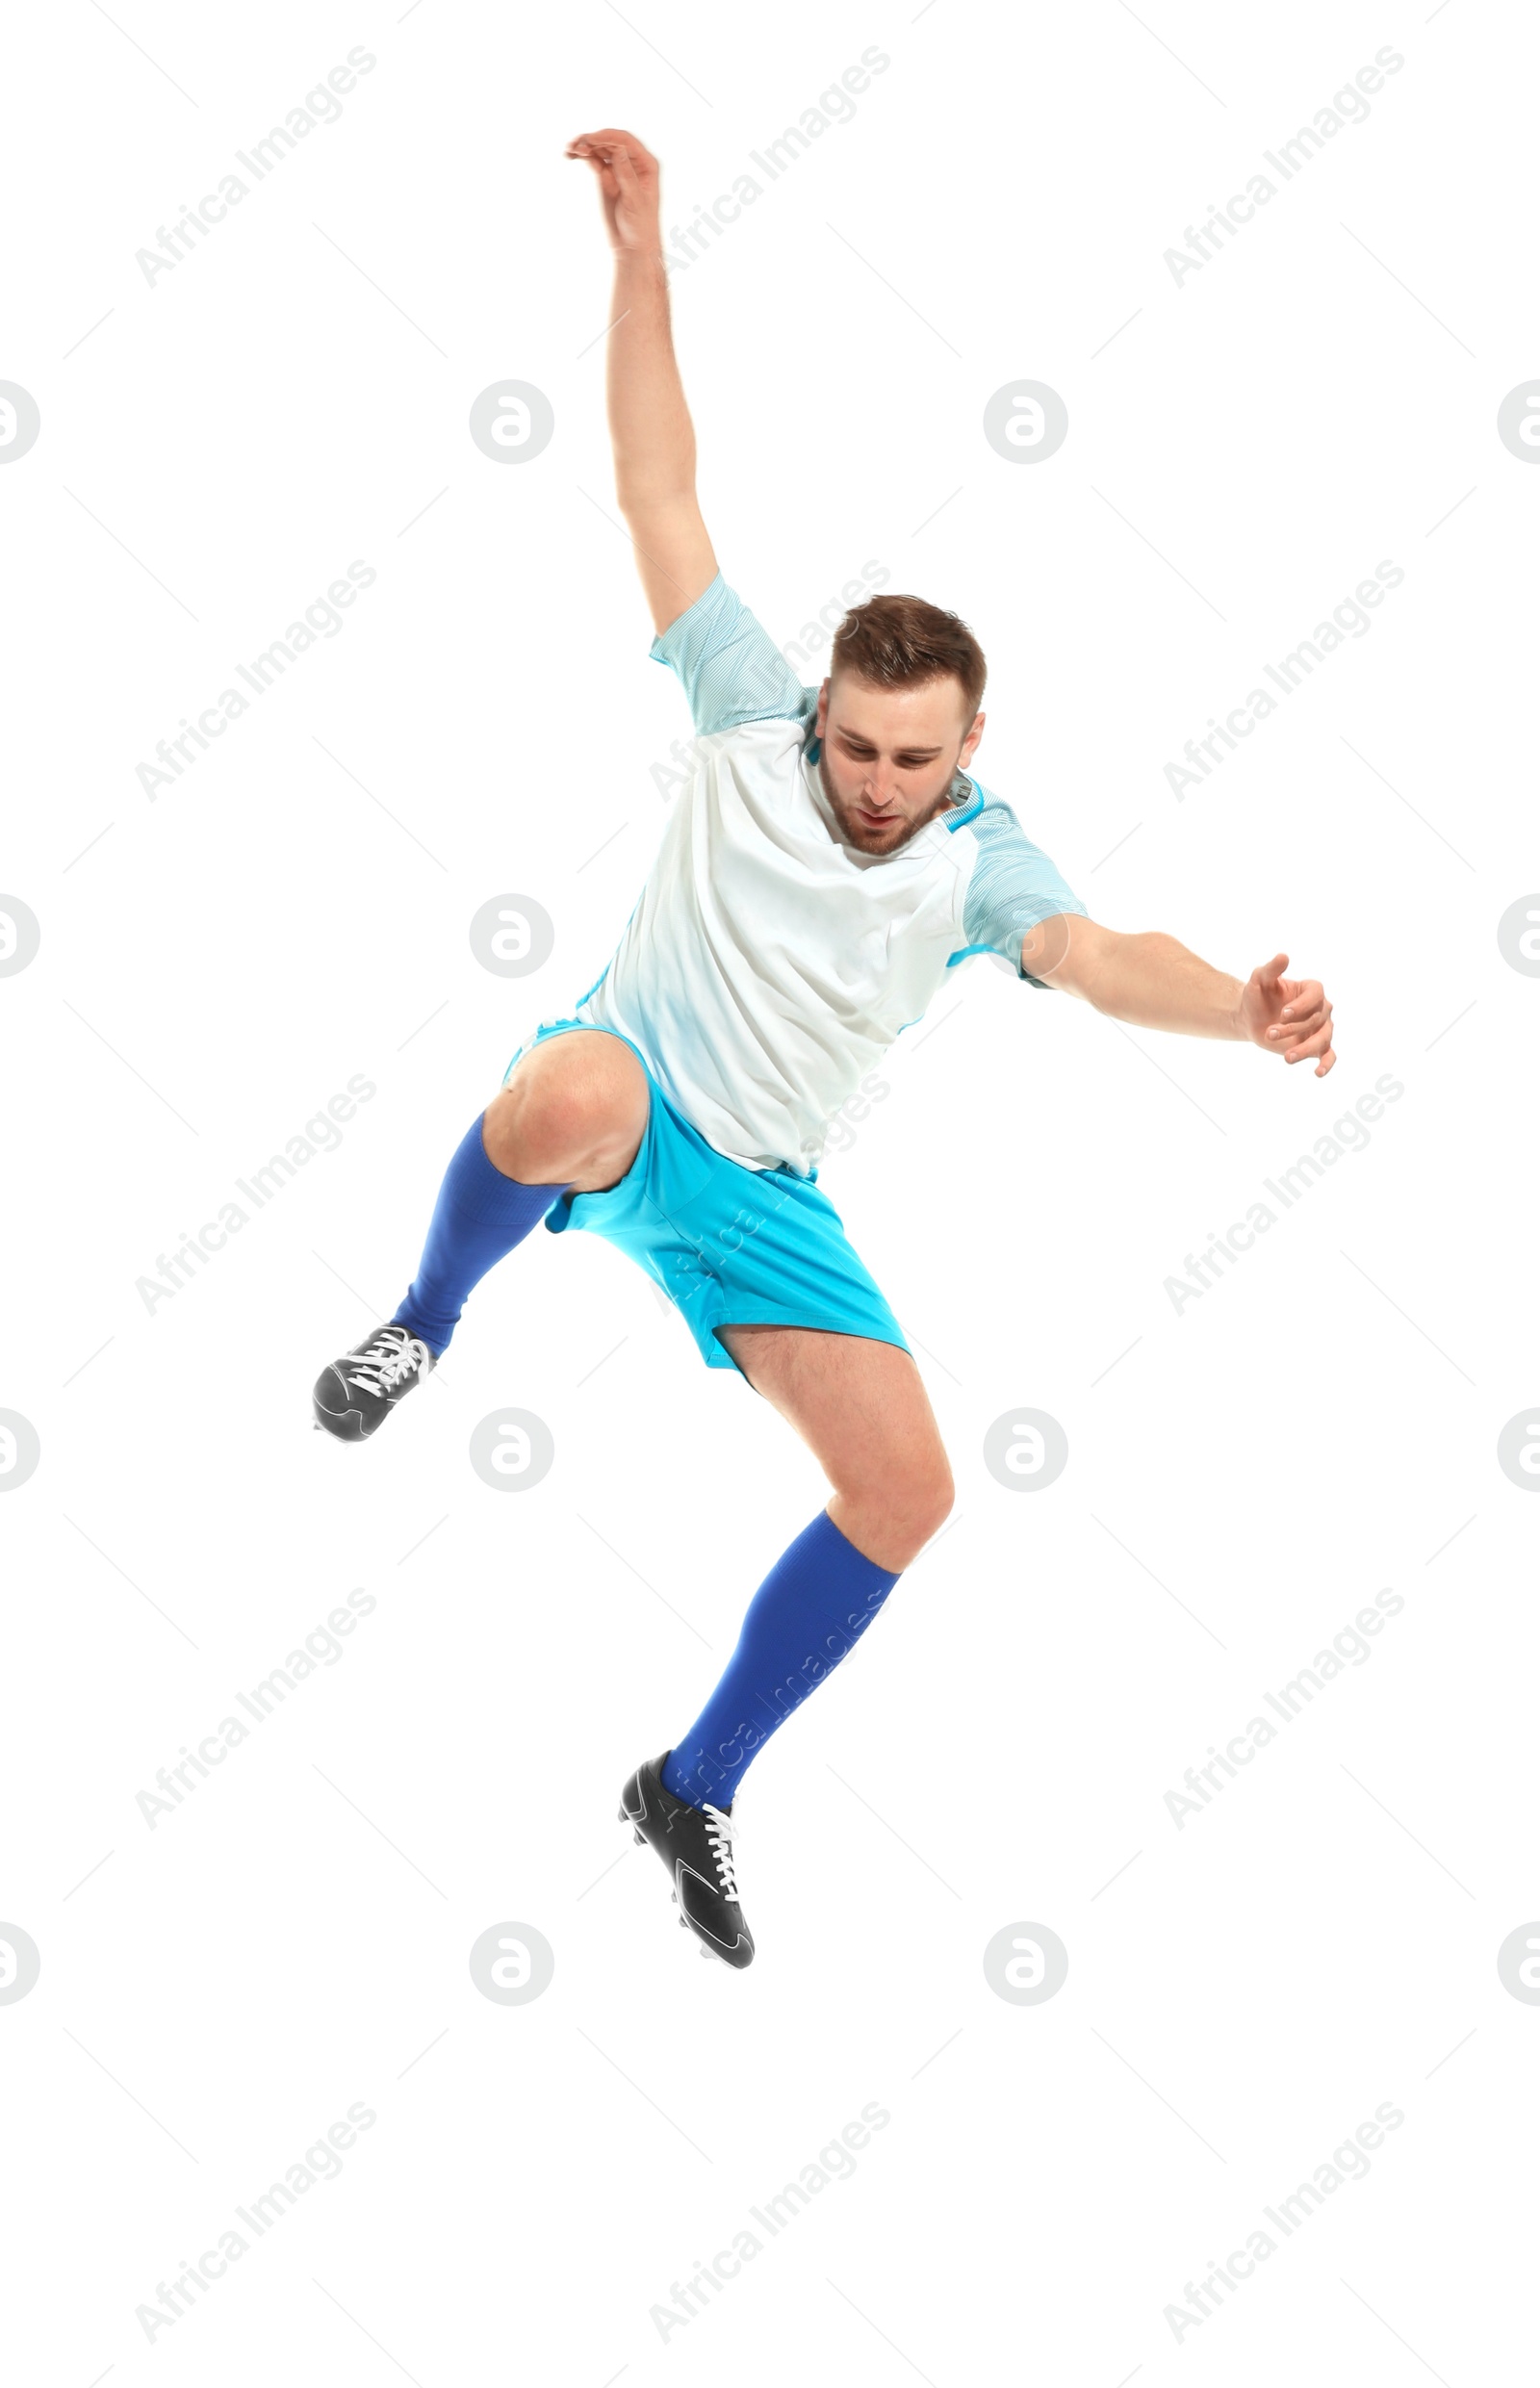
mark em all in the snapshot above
pixel 767 964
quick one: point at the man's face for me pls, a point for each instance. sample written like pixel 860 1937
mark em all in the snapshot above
pixel 888 756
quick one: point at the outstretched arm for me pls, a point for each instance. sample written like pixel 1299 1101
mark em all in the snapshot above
pixel 649 426
pixel 1153 982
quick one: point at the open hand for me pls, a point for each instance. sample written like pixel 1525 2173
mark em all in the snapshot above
pixel 1291 1017
pixel 628 185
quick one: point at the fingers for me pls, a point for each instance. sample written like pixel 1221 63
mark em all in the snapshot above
pixel 604 146
pixel 1286 1032
pixel 1266 975
pixel 1302 1014
pixel 586 156
pixel 1317 1044
pixel 626 175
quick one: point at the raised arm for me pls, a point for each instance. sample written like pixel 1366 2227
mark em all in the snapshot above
pixel 1153 982
pixel 649 428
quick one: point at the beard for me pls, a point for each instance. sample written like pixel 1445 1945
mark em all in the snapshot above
pixel 897 829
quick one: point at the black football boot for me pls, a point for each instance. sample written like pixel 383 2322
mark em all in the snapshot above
pixel 696 1845
pixel 355 1395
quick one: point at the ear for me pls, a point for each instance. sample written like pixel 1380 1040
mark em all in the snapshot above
pixel 970 743
pixel 821 722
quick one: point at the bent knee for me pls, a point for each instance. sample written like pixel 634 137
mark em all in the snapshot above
pixel 898 1512
pixel 552 1125
pixel 933 1498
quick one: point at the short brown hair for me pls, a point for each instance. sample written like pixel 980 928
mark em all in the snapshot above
pixel 901 642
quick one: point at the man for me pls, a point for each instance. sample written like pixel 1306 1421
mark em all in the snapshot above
pixel 829 863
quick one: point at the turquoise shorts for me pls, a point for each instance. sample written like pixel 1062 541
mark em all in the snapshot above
pixel 730 1247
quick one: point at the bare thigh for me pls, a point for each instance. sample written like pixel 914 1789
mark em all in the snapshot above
pixel 862 1408
pixel 572 1113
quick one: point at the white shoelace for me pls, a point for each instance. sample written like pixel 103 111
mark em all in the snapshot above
pixel 380 1369
pixel 719 1833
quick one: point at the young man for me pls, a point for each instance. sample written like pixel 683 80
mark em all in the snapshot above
pixel 829 860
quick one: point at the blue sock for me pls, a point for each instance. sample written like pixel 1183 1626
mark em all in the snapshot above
pixel 480 1216
pixel 805 1616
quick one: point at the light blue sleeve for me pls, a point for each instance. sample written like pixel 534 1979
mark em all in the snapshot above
pixel 731 670
pixel 1012 885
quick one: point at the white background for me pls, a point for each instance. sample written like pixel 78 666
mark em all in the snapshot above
pixel 1244 1474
